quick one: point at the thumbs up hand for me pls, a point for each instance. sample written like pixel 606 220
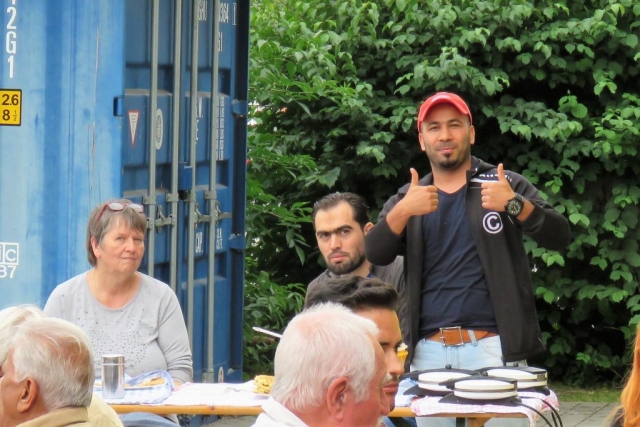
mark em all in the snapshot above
pixel 496 194
pixel 420 199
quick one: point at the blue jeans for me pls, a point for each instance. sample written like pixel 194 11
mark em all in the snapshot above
pixel 144 419
pixel 477 354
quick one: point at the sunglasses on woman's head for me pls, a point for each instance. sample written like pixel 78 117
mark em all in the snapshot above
pixel 118 206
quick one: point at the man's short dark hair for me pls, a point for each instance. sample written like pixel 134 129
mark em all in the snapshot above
pixel 358 206
pixel 354 292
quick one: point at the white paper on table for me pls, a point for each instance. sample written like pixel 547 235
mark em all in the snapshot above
pixel 216 394
pixel 401 398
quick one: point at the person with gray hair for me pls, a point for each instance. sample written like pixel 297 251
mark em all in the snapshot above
pixel 100 414
pixel 122 310
pixel 47 377
pixel 10 319
pixel 329 371
pixel 377 301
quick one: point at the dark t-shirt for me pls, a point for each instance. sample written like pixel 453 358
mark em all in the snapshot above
pixel 454 289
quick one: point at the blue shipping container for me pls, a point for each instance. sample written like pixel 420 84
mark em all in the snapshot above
pixel 142 99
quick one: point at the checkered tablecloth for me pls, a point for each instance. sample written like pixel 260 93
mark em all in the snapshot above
pixel 538 401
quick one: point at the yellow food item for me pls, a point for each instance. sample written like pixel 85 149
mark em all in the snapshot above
pixel 263 383
pixel 402 352
pixel 151 382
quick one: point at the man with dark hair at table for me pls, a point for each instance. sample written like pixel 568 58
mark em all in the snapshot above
pixel 341 221
pixel 47 377
pixel 329 372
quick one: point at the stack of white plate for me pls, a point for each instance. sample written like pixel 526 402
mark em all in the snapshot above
pixel 485 388
pixel 432 380
pixel 526 376
pixel 485 384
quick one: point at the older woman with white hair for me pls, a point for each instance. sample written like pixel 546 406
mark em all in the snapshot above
pixel 100 414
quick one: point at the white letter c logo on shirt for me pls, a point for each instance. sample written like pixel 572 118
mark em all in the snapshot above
pixel 492 223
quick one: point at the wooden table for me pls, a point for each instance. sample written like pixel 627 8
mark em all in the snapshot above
pixel 473 419
pixel 189 410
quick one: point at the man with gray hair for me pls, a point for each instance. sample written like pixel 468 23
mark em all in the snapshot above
pixel 329 371
pixel 100 414
pixel 47 377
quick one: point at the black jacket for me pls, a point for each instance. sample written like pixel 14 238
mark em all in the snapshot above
pixel 391 273
pixel 502 253
pixel 388 273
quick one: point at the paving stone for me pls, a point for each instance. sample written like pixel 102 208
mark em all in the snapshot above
pixel 234 422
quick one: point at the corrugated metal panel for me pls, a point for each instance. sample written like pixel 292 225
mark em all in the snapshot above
pixel 118 95
pixel 65 156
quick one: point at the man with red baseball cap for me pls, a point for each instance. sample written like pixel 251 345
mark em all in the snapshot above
pixel 469 293
pixel 443 98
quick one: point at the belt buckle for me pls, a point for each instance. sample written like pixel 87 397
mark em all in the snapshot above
pixel 451 328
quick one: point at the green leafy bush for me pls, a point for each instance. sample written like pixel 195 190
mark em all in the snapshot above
pixel 273 235
pixel 267 305
pixel 555 94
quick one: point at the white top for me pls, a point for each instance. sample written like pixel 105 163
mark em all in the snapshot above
pixel 276 415
pixel 149 330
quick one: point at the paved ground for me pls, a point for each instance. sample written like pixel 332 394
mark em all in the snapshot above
pixel 573 414
pixel 584 414
pixel 234 422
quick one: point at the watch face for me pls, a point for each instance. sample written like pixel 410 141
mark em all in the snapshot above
pixel 514 207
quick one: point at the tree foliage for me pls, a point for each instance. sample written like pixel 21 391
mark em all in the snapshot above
pixel 555 95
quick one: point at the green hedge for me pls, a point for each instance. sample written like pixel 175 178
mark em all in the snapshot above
pixel 555 94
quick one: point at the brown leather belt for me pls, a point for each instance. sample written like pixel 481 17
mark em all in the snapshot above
pixel 458 336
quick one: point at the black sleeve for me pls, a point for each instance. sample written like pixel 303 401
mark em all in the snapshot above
pixel 381 244
pixel 546 226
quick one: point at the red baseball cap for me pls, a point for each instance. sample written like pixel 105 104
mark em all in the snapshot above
pixel 443 98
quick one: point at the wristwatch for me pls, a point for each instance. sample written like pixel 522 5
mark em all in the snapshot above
pixel 515 205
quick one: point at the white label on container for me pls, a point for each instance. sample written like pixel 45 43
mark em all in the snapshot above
pixel 9 259
pixel 159 128
pixel 224 13
pixel 133 124
pixel 202 10
pixel 221 121
pixel 198 115
pixel 218 239
pixel 11 37
pixel 198 242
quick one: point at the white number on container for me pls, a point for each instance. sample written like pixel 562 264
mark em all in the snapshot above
pixel 7 271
